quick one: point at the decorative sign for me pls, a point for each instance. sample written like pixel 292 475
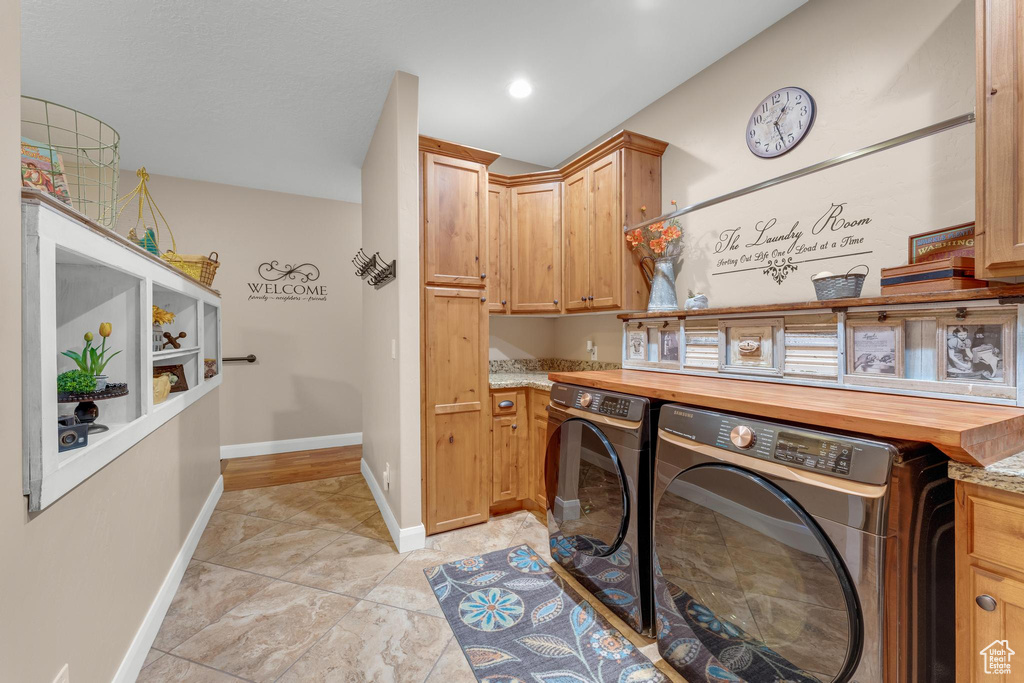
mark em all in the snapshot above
pixel 940 244
pixel 287 283
pixel 769 247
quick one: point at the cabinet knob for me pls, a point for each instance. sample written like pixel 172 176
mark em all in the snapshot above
pixel 506 404
pixel 515 426
pixel 483 298
pixel 503 302
pixel 986 602
pixel 591 297
pixel 556 302
pixel 583 298
pixel 993 91
pixel 451 439
pixel 483 276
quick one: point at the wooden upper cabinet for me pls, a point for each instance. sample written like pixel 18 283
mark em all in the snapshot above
pixel 536 227
pixel 999 148
pixel 607 240
pixel 454 221
pixel 497 248
pixel 456 450
pixel 576 252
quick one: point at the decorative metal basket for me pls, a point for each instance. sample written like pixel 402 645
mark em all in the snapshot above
pixel 840 286
pixel 72 156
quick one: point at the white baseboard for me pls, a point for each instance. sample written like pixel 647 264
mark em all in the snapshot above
pixel 144 637
pixel 410 538
pixel 245 450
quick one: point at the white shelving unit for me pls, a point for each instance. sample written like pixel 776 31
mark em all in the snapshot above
pixel 76 275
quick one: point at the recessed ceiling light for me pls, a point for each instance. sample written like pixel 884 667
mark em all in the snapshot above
pixel 520 88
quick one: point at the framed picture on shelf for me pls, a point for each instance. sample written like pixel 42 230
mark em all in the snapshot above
pixel 874 349
pixel 957 240
pixel 636 344
pixel 176 375
pixel 669 346
pixel 977 349
pixel 751 346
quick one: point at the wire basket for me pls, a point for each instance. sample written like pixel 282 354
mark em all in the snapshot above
pixel 840 286
pixel 72 156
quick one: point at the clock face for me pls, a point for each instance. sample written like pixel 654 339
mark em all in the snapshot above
pixel 780 122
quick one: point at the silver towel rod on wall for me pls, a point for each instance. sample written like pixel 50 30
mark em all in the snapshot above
pixel 927 131
pixel 251 358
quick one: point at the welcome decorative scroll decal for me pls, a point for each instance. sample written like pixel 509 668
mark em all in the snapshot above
pixel 287 283
pixel 778 253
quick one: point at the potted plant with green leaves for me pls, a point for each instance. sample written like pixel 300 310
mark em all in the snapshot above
pixel 92 360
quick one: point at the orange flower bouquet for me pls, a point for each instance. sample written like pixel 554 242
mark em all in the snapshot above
pixel 663 239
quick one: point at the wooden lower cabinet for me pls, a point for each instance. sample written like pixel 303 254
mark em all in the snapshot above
pixel 519 431
pixel 989 583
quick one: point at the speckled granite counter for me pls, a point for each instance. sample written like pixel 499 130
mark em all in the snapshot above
pixel 518 380
pixel 533 373
pixel 1007 474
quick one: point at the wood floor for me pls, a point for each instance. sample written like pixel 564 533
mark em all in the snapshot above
pixel 289 468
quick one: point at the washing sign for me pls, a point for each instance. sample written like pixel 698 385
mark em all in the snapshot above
pixel 997 657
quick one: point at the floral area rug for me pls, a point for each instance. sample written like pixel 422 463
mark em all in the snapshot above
pixel 518 621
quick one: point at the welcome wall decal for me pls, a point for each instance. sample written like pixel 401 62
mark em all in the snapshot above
pixel 287 283
pixel 777 252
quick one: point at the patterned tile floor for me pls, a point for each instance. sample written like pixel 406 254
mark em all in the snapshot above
pixel 301 583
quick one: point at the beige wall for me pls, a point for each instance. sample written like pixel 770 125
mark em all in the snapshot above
pixel 307 380
pixel 876 69
pixel 516 337
pixel 573 331
pixel 507 166
pixel 391 315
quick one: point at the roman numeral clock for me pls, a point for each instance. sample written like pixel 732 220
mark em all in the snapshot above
pixel 780 122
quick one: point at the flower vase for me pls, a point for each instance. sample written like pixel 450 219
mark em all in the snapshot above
pixel 101 382
pixel 663 287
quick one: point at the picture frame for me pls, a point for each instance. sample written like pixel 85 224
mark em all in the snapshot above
pixel 176 376
pixel 956 240
pixel 977 349
pixel 875 348
pixel 668 345
pixel 636 344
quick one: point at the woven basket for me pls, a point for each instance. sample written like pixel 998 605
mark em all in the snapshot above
pixel 840 286
pixel 202 268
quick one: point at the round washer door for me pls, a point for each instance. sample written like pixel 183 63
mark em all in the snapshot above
pixel 740 564
pixel 588 499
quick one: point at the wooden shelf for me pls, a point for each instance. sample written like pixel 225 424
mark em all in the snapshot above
pixel 972 433
pixel 173 353
pixel 1006 292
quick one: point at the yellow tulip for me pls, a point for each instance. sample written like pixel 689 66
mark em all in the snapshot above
pixel 88 336
pixel 106 329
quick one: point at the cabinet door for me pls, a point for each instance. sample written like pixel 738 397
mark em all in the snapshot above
pixel 538 445
pixel 457 457
pixel 454 221
pixel 497 249
pixel 607 241
pixel 992 631
pixel 576 245
pixel 536 248
pixel 999 233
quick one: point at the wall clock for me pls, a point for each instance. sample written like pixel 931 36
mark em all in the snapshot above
pixel 780 122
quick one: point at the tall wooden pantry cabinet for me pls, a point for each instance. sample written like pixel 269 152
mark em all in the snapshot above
pixel 456 436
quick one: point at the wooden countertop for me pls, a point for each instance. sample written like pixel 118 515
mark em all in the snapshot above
pixel 973 433
pixel 1004 292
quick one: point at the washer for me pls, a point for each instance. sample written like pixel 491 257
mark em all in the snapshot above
pixel 598 476
pixel 789 553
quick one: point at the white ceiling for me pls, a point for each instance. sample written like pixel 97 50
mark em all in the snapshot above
pixel 284 94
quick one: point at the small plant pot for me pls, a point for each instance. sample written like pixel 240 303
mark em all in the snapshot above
pixel 101 382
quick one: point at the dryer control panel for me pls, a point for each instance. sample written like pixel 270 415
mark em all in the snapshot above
pixel 837 455
pixel 622 406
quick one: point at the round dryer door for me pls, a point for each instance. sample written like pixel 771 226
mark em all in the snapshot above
pixel 744 568
pixel 588 498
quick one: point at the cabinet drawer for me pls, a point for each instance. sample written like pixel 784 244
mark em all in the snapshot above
pixel 504 402
pixel 995 532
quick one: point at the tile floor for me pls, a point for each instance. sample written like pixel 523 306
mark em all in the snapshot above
pixel 301 583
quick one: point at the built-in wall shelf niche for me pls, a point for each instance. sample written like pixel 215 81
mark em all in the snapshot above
pixel 76 276
pixel 965 349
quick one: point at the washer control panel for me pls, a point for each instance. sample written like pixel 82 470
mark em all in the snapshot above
pixel 854 458
pixel 621 406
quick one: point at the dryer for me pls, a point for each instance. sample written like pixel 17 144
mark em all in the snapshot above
pixel 598 477
pixel 789 553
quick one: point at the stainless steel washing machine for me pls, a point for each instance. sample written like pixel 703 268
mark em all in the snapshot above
pixel 598 474
pixel 788 553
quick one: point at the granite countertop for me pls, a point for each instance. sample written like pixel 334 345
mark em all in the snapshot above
pixel 517 380
pixel 1007 474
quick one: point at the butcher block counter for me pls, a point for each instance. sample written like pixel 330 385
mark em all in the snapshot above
pixel 973 433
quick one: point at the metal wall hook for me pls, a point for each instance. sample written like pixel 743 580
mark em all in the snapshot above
pixel 961 313
pixel 373 269
pixel 882 316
